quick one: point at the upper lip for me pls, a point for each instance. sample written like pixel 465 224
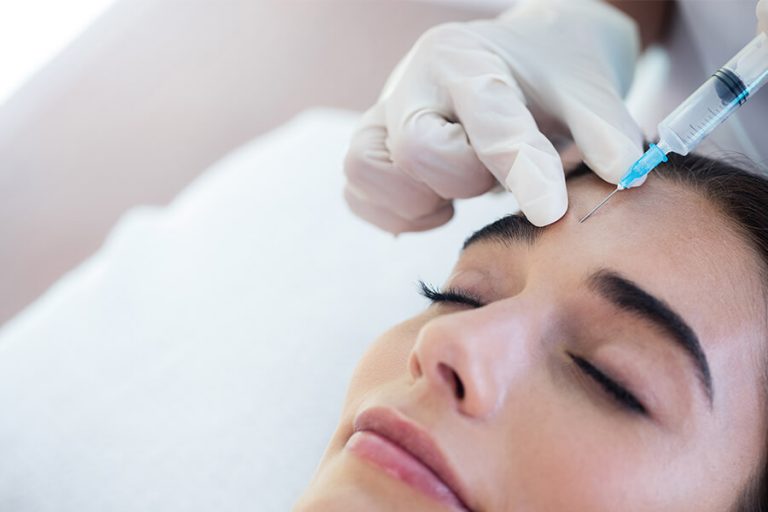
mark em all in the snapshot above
pixel 394 426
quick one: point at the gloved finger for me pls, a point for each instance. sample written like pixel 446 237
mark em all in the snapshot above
pixel 605 132
pixel 508 141
pixel 435 151
pixel 424 137
pixel 372 174
pixel 762 15
pixel 389 221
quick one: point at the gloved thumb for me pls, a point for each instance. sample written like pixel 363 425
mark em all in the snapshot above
pixel 762 15
pixel 510 145
pixel 605 132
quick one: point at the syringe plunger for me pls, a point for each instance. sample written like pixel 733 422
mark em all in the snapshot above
pixel 703 111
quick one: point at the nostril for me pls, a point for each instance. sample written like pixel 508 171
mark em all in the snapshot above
pixel 415 366
pixel 459 386
pixel 453 379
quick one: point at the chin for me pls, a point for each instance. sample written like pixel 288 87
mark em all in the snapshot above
pixel 343 500
pixel 344 484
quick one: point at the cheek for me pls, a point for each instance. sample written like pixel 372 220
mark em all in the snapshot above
pixel 568 462
pixel 580 461
pixel 385 360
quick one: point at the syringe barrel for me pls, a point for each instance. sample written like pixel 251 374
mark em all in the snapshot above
pixel 717 98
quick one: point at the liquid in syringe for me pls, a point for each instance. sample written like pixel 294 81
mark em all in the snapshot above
pixel 703 111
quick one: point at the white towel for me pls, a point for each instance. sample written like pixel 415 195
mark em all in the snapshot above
pixel 199 360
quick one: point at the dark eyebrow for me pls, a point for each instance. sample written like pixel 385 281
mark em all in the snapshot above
pixel 630 297
pixel 508 230
pixel 516 228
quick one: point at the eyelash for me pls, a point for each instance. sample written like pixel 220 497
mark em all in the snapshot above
pixel 617 392
pixel 450 295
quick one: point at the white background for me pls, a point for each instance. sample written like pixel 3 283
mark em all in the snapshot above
pixel 32 32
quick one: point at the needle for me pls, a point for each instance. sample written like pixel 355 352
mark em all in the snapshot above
pixel 593 210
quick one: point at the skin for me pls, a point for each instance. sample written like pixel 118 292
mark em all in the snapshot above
pixel 532 432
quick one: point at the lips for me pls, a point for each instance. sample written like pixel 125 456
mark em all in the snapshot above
pixel 407 452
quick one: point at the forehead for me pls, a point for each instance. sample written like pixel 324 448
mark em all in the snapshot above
pixel 669 240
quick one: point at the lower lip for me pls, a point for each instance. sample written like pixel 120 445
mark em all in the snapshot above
pixel 401 465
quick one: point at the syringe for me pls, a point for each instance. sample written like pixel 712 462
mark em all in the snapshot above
pixel 703 111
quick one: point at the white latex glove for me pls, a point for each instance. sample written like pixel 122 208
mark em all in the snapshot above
pixel 762 15
pixel 459 105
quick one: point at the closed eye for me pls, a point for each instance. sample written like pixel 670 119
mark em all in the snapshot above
pixel 616 391
pixel 450 295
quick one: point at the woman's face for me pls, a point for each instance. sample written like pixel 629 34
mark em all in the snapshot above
pixel 610 365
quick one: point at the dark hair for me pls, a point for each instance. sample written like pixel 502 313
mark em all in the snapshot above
pixel 742 197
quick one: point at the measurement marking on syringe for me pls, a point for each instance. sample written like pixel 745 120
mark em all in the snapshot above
pixel 705 124
pixel 716 99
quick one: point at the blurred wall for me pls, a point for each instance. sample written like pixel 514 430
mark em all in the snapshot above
pixel 154 92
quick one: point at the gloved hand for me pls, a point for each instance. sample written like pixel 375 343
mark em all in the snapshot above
pixel 762 15
pixel 467 98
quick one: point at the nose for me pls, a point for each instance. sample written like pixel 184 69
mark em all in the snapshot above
pixel 472 357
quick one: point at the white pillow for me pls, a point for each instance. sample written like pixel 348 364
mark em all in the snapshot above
pixel 199 360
